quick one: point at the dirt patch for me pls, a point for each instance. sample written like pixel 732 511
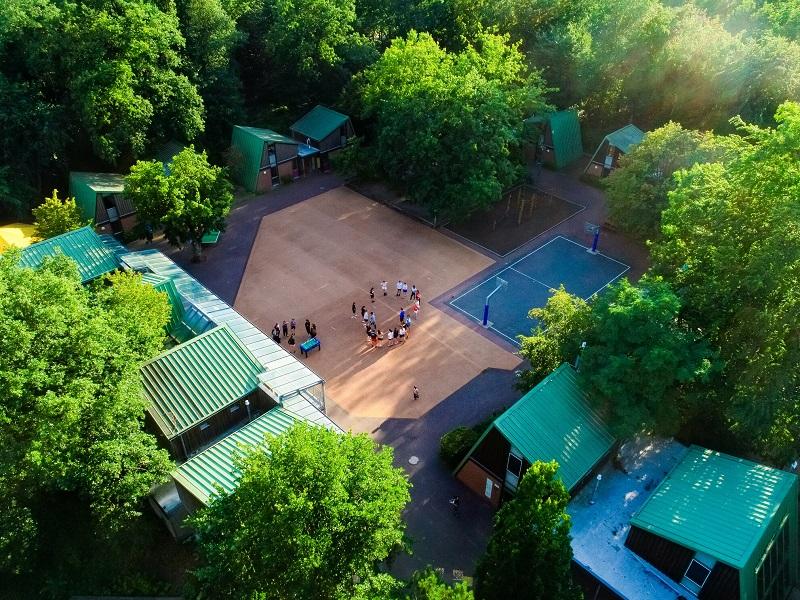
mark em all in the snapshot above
pixel 522 214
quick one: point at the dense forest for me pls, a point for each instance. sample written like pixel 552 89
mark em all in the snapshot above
pixel 98 84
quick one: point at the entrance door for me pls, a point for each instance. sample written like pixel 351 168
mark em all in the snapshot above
pixel 513 469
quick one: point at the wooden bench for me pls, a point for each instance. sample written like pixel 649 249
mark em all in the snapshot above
pixel 309 345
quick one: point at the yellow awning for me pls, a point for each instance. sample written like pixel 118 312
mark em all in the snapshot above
pixel 19 235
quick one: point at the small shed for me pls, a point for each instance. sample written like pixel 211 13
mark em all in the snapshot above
pixel 323 128
pixel 200 389
pixel 93 257
pixel 260 158
pixel 100 198
pixel 606 158
pixel 721 527
pixel 556 137
pixel 551 422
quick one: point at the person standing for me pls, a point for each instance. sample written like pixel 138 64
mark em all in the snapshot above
pixel 354 311
pixel 308 327
pixel 405 289
pixel 313 331
pixel 413 292
pixel 364 315
pixel 390 337
pixel 285 328
pixel 396 335
pixel 415 393
pixel 408 321
pixel 293 325
pixel 372 319
pixel 415 310
pixel 402 315
pixel 399 287
pixel 372 294
pixel 402 333
pixel 384 287
pixel 292 343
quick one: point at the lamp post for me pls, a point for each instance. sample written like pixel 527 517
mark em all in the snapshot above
pixel 247 406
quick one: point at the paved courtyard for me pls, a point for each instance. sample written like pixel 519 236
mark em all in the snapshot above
pixel 314 259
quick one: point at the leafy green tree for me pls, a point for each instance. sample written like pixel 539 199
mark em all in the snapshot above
pixel 192 200
pixel 427 584
pixel 72 414
pixel 212 38
pixel 308 518
pixel 448 125
pixel 640 358
pixel 561 328
pixel 529 553
pixel 637 191
pixel 56 216
pixel 730 248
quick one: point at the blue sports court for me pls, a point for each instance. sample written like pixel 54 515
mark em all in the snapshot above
pixel 530 279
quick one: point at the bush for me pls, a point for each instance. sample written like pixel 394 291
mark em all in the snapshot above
pixel 455 444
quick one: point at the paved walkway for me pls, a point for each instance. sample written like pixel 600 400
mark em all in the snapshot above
pixel 439 537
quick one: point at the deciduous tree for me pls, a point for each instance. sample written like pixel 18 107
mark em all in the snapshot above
pixel 56 216
pixel 192 200
pixel 308 519
pixel 529 553
pixel 72 413
pixel 449 125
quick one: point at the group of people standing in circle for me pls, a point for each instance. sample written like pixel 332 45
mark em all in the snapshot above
pixel 393 335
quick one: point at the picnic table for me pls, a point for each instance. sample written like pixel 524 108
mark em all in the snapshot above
pixel 309 345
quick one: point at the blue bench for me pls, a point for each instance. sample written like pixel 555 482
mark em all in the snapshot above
pixel 309 345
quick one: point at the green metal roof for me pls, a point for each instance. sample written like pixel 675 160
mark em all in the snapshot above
pixel 319 123
pixel 566 131
pixel 196 379
pixel 212 469
pixel 625 138
pixel 717 504
pixel 267 135
pixel 555 422
pixel 100 183
pixel 84 246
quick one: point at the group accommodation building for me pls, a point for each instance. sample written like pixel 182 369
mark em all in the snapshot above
pixel 100 197
pixel 262 159
pixel 650 518
pixel 223 383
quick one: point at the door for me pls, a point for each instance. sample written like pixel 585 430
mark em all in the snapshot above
pixel 513 469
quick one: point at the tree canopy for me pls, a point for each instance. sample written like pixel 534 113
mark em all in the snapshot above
pixel 529 552
pixel 730 248
pixel 56 216
pixel 193 199
pixel 637 190
pixel 449 124
pixel 308 519
pixel 72 414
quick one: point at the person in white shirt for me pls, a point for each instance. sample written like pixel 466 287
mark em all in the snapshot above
pixel 384 287
pixel 399 287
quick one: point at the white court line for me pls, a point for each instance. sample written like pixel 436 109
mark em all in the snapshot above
pixel 511 267
pixel 549 287
pixel 497 273
pixel 598 254
pixel 474 318
pixel 609 283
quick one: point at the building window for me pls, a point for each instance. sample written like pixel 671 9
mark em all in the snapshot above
pixel 697 573
pixel 514 465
